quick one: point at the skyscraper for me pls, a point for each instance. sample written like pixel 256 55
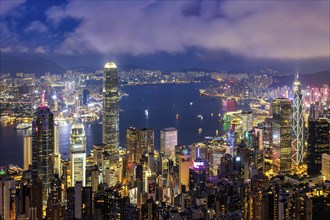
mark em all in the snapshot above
pixel 57 155
pixel 247 121
pixel 168 141
pixel 27 151
pixel 86 96
pixel 78 153
pixel 318 143
pixel 281 129
pixel 139 142
pixel 43 149
pixel 132 139
pixel 298 124
pixel 326 166
pixel 110 125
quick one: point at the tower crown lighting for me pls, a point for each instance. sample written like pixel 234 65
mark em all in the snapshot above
pixel 110 65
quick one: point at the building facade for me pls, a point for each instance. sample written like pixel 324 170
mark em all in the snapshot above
pixel 43 149
pixel 168 141
pixel 281 130
pixel 298 124
pixel 318 143
pixel 27 151
pixel 78 153
pixel 110 123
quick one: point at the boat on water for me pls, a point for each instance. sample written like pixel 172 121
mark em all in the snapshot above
pixel 224 121
pixel 146 112
pixel 23 126
pixel 200 116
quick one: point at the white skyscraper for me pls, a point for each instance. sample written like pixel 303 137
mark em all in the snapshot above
pixel 78 153
pixel 110 113
pixel 168 141
pixel 247 121
pixel 57 155
pixel 27 151
pixel 298 123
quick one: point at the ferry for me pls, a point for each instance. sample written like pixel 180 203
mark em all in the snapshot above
pixel 4 118
pixel 23 126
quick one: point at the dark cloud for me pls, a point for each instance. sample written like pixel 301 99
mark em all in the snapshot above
pixel 192 32
pixel 252 29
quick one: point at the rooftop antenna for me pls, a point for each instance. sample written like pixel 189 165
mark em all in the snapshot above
pixel 43 99
pixel 297 75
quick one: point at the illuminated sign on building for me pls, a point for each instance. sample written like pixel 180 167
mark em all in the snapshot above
pixel 197 164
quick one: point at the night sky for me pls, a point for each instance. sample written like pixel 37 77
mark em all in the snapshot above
pixel 216 35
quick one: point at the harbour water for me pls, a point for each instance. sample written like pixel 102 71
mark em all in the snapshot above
pixel 172 105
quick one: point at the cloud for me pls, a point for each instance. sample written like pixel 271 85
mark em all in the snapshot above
pixel 41 49
pixel 36 26
pixel 295 30
pixel 22 49
pixel 8 6
pixel 7 49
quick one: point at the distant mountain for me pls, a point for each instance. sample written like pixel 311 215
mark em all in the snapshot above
pixel 128 67
pixel 38 66
pixel 197 69
pixel 313 79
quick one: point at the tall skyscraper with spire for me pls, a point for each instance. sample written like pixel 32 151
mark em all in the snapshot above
pixel 43 149
pixel 110 117
pixel 298 123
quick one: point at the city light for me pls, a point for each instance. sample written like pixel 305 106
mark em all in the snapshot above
pixel 164 110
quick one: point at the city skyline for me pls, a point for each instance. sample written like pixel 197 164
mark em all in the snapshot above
pixel 246 170
pixel 215 35
pixel 229 136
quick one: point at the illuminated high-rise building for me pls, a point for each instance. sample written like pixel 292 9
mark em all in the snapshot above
pixel 78 153
pixel 132 139
pixel 54 207
pixel 318 143
pixel 185 163
pixel 281 129
pixel 298 124
pixel 168 141
pixel 326 166
pixel 197 177
pixel 146 140
pixel 27 151
pixel 110 125
pixel 57 155
pixel 139 142
pixel 43 149
pixel 86 96
pixel 247 121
